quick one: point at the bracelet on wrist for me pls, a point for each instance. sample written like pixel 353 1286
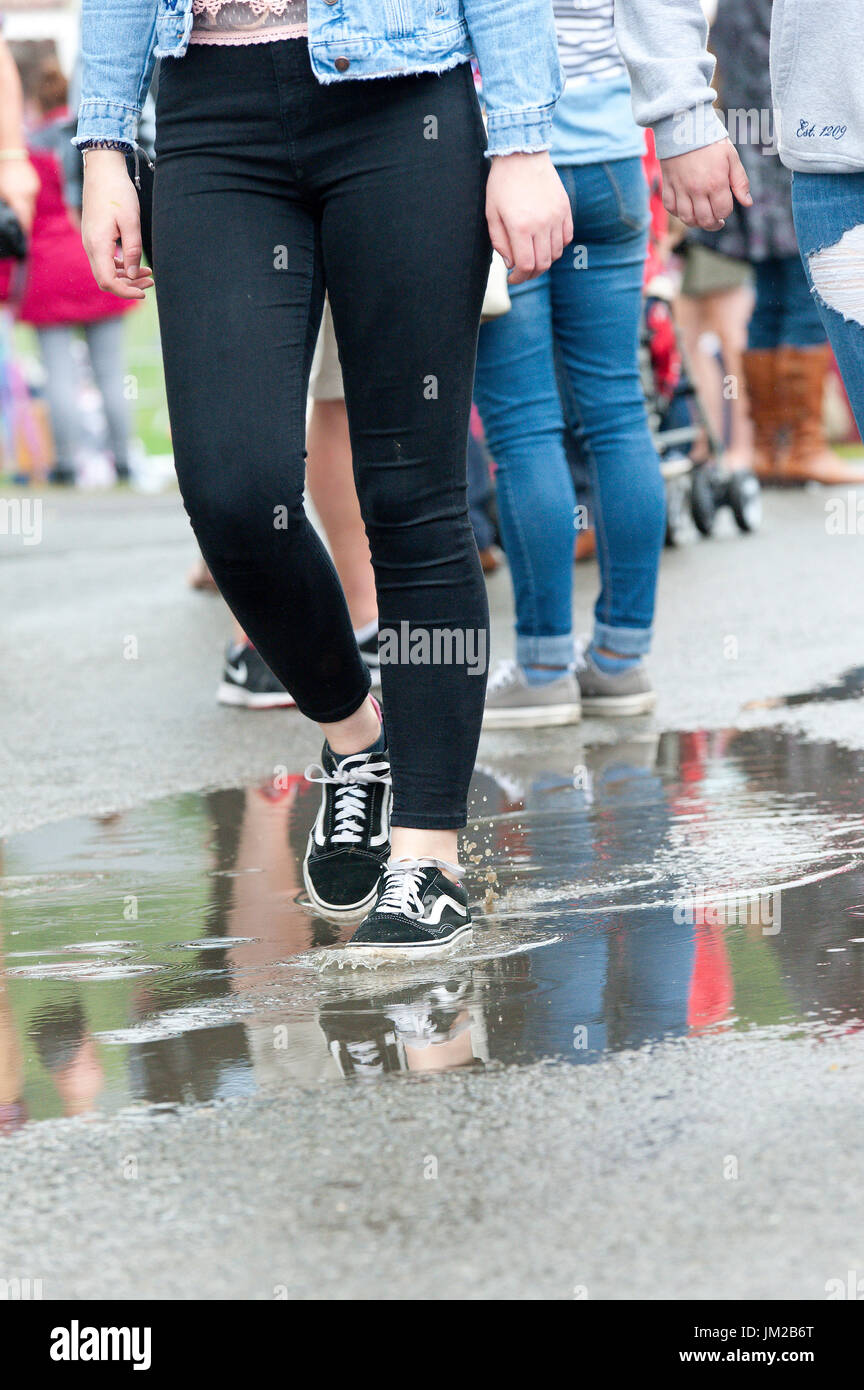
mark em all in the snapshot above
pixel 9 155
pixel 121 146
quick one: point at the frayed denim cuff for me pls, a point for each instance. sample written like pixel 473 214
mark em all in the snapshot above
pixel 520 132
pixel 107 123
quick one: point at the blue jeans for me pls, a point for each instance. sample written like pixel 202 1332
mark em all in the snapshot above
pixel 785 315
pixel 826 207
pixel 480 494
pixel 585 313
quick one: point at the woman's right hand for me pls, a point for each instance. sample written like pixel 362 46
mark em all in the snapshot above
pixel 528 212
pixel 111 213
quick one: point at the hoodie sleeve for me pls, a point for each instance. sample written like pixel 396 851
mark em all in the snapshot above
pixel 664 46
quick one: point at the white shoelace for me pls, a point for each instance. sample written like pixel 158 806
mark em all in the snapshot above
pixel 402 880
pixel 581 653
pixel 354 783
pixel 505 673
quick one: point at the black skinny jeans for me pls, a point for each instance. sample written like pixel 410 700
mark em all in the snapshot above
pixel 269 188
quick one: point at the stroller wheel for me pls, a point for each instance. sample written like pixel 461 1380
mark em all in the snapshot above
pixel 744 493
pixel 676 520
pixel 703 502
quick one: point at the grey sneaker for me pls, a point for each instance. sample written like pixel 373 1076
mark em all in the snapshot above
pixel 630 692
pixel 513 703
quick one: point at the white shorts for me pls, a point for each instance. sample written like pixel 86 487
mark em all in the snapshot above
pixel 325 381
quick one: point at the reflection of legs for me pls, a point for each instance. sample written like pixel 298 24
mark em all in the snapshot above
pixel 105 345
pixel 11 1063
pixel 564 1014
pixel 656 969
pixel 263 890
pixel 69 1054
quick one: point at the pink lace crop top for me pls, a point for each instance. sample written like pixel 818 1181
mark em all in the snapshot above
pixel 247 21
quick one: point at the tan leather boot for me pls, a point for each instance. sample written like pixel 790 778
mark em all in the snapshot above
pixel 810 460
pixel 761 370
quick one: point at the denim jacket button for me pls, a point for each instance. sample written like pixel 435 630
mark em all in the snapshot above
pixel 342 64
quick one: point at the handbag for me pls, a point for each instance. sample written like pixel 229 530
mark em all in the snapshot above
pixel 13 242
pixel 496 300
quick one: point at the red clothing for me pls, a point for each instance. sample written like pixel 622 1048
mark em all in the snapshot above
pixel 59 286
pixel 659 216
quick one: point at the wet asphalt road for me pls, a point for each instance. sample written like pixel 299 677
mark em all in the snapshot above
pixel 86 729
pixel 710 1163
pixel 607 1179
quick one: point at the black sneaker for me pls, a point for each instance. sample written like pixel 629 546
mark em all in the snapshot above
pixel 248 681
pixel 419 912
pixel 350 840
pixel 369 652
pixel 61 475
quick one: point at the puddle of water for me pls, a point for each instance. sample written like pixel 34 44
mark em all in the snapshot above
pixel 627 893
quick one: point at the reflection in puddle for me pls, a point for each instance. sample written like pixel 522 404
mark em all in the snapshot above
pixel 627 893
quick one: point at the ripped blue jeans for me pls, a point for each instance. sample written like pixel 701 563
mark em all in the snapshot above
pixel 829 222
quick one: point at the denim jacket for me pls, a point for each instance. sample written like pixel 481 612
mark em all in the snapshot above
pixel 514 42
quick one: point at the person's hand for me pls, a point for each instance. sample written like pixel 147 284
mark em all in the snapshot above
pixel 698 186
pixel 19 184
pixel 528 212
pixel 111 213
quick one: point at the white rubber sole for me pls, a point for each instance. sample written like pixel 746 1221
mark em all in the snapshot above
pixel 244 699
pixel 531 716
pixel 619 705
pixel 403 953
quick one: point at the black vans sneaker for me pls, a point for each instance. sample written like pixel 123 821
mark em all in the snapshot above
pixel 350 840
pixel 247 681
pixel 420 912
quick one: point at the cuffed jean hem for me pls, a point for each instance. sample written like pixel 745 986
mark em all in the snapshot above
pixel 341 711
pixel 626 641
pixel 406 821
pixel 545 651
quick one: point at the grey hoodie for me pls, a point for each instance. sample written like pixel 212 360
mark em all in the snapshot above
pixel 817 79
pixel 817 69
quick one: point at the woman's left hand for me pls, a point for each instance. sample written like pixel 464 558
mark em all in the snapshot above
pixel 529 216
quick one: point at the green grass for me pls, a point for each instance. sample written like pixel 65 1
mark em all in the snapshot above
pixel 145 364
